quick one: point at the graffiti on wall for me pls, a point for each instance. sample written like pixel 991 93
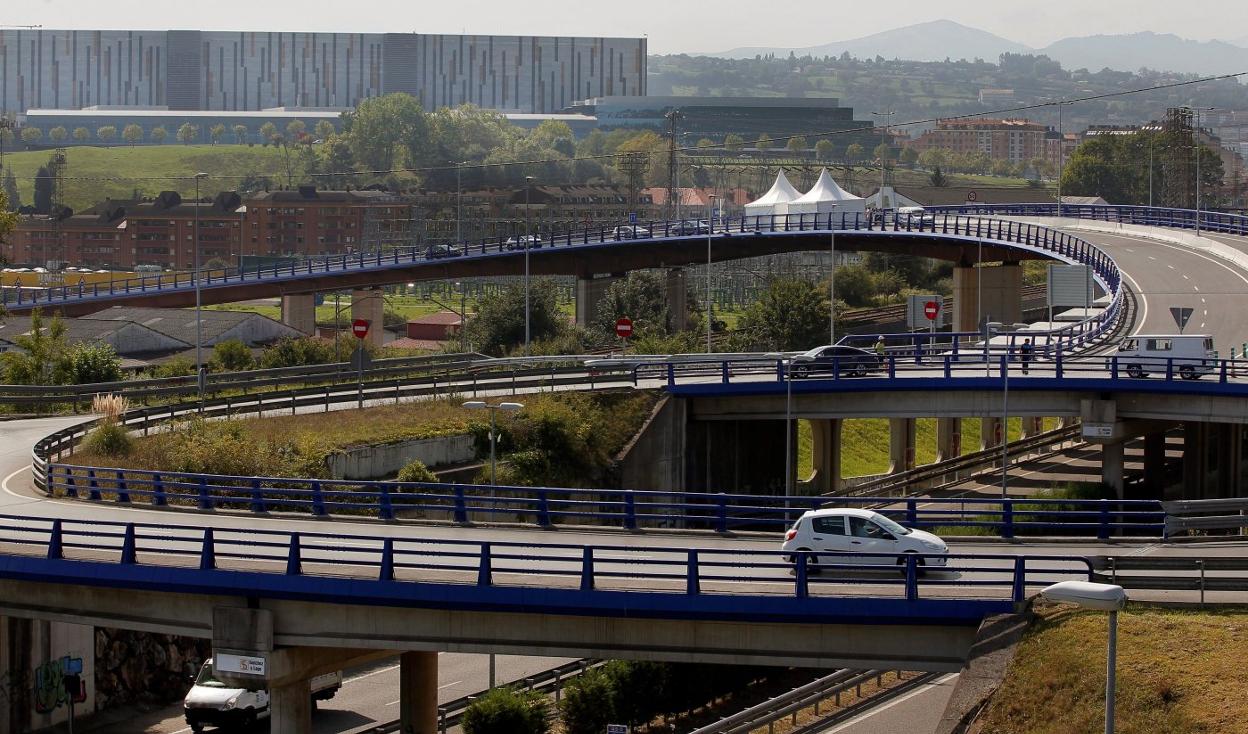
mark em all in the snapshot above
pixel 49 684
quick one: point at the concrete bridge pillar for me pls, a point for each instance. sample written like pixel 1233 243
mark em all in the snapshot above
pixel 1032 426
pixel 418 693
pixel 1155 464
pixel 1002 294
pixel 677 300
pixel 1230 459
pixel 370 305
pixel 900 444
pixel 299 312
pixel 991 433
pixel 948 438
pixel 590 291
pixel 1196 461
pixel 1113 459
pixel 290 706
pixel 826 455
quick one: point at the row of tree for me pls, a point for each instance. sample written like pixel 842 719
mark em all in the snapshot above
pixel 187 133
pixel 1146 167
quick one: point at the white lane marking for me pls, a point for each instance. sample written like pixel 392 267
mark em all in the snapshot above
pixel 1170 266
pixel 1185 277
pixel 895 702
pixel 448 685
pixel 1202 324
pixel 1150 257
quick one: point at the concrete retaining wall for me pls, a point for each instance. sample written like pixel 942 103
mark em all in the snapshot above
pixel 376 462
pixel 655 458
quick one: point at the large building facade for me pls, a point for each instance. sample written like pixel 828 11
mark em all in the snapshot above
pixel 239 71
pixel 1015 141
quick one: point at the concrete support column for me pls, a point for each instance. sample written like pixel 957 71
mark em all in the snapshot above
pixel 418 693
pixel 948 438
pixel 299 312
pixel 1113 457
pixel 991 433
pixel 900 444
pixel 1195 460
pixel 589 293
pixel 291 707
pixel 677 300
pixel 370 305
pixel 1032 426
pixel 1155 464
pixel 826 454
pixel 1229 460
pixel 1002 295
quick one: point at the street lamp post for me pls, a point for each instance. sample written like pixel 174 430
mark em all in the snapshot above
pixel 785 362
pixel 1104 598
pixel 710 229
pixel 195 274
pixel 888 119
pixel 528 243
pixel 832 278
pixel 1061 157
pixel 459 201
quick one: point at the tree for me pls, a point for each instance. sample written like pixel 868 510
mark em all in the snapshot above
pixel 41 357
pixel 796 145
pixel 106 134
pixel 295 129
pixel 934 158
pixel 31 135
pixel 92 363
pixel 81 134
pixel 791 314
pixel 586 706
pixel 188 133
pixel 705 144
pixel 268 131
pixel 855 153
pixel 159 133
pixel 389 129
pixel 507 711
pixel 763 143
pixel 297 352
pixel 324 129
pixel 240 133
pixel 336 161
pixel 909 156
pixel 13 201
pixel 937 178
pixel 499 325
pixel 416 471
pixel 216 133
pixel 43 190
pixel 58 134
pixel 883 152
pixel 132 134
pixel 642 297
pixel 231 355
pixel 824 149
pixel 733 142
pixel 6 136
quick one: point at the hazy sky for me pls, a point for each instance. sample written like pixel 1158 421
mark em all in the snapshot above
pixel 671 25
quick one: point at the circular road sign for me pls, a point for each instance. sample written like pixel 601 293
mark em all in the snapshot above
pixel 931 310
pixel 972 195
pixel 624 327
pixel 359 327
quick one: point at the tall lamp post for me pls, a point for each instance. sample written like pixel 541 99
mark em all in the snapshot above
pixel 459 201
pixel 710 229
pixel 832 278
pixel 1104 598
pixel 199 320
pixel 785 363
pixel 888 119
pixel 493 408
pixel 528 243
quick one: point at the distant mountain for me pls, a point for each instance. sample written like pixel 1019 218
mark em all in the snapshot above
pixel 934 41
pixel 1161 51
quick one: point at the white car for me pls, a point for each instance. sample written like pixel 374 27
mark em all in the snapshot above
pixel 847 530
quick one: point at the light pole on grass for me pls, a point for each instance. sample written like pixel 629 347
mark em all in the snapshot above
pixel 1104 598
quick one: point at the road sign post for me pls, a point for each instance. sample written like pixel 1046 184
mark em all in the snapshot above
pixel 624 329
pixel 931 310
pixel 1181 314
pixel 359 328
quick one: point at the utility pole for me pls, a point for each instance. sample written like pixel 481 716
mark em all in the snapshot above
pixel 673 168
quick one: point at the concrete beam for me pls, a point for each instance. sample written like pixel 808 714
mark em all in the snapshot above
pixel 369 304
pixel 299 312
pixel 418 693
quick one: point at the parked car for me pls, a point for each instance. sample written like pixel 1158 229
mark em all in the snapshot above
pixel 524 242
pixel 690 226
pixel 437 252
pixel 1191 354
pixel 849 530
pixel 835 359
pixel 630 232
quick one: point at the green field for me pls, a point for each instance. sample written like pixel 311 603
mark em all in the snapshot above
pixel 94 174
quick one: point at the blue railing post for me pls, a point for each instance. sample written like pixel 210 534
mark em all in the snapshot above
pixel 485 571
pixel 1019 587
pixel 384 507
pixel 158 491
pixel 71 488
pixel 721 513
pixel 801 575
pixel 294 558
pixel 693 583
pixel 671 375
pixel 257 496
pixel 318 499
pixel 205 499
pixel 1007 517
pixel 724 376
pixel 461 509
pixel 386 572
pixel 543 509
pixel 1113 368
pixel 1102 529
pixel 630 511
pixel 55 542
pixel 949 366
pixel 587 569
pixel 912 577
pixel 128 555
pixel 123 494
pixel 208 552
pixel 912 512
pixel 1057 362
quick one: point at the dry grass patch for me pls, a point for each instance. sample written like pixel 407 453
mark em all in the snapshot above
pixel 1179 672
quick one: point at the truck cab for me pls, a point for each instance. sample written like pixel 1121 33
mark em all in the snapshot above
pixel 211 702
pixel 1189 355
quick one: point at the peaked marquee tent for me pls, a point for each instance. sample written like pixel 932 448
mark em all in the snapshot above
pixel 825 197
pixel 775 201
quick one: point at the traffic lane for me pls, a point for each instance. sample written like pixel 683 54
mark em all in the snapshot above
pixel 1165 275
pixel 917 712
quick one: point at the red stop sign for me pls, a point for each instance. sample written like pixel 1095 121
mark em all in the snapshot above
pixel 624 327
pixel 359 327
pixel 931 310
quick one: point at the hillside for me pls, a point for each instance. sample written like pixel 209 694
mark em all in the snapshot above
pixel 148 170
pixel 1163 51
pixel 933 41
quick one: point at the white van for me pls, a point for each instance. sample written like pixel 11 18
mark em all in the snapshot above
pixel 1192 355
pixel 914 215
pixel 211 702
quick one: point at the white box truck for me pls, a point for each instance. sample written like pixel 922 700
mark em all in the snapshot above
pixel 213 703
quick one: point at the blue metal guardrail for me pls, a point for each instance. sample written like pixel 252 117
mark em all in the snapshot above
pixel 1144 215
pixel 362 569
pixel 551 506
pixel 1027 236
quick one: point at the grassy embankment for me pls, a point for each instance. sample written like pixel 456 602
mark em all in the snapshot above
pixel 1179 672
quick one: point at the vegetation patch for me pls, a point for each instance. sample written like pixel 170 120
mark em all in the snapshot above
pixel 1179 672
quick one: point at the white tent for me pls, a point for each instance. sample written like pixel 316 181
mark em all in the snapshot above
pixel 775 201
pixel 826 197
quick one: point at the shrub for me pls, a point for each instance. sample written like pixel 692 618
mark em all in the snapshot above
pixel 639 689
pixel 97 362
pixel 587 705
pixel 416 471
pixel 109 439
pixel 296 352
pixel 176 367
pixel 504 711
pixel 231 355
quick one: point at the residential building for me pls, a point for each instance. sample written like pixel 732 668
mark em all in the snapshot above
pixel 1015 141
pixel 307 222
pixel 96 240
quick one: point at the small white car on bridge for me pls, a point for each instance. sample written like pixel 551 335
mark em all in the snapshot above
pixel 849 530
